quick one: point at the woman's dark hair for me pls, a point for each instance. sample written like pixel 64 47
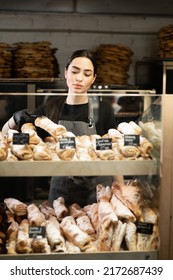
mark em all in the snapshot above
pixel 83 53
pixel 54 106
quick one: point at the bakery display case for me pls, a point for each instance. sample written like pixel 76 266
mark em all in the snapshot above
pixel 144 172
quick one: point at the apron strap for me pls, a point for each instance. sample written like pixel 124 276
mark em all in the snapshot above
pixel 93 104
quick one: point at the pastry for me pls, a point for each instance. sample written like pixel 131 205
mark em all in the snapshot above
pixel 61 210
pixel 74 234
pixel 16 206
pixel 35 217
pixel 49 126
pixel 121 210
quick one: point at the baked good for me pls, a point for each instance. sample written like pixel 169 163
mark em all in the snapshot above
pixel 46 209
pixel 3 147
pixel 53 233
pixel 71 248
pixel 29 128
pixel 61 210
pixel 65 154
pixel 92 211
pixel 23 244
pixel 131 237
pixel 49 126
pixel 40 245
pixel 41 152
pixel 22 152
pixel 129 128
pixel 74 234
pixel 121 210
pixel 131 196
pixel 35 217
pixel 16 206
pixel 145 147
pixel 119 231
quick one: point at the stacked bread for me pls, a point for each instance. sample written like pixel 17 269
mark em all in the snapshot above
pixel 113 64
pixel 35 60
pixel 108 225
pixel 165 40
pixel 85 147
pixel 6 57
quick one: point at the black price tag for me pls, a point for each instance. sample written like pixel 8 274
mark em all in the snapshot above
pixel 67 142
pixel 20 138
pixel 37 232
pixel 104 144
pixel 146 228
pixel 131 140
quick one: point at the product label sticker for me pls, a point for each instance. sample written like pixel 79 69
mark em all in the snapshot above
pixel 67 143
pixel 131 140
pixel 37 232
pixel 20 138
pixel 104 144
pixel 146 228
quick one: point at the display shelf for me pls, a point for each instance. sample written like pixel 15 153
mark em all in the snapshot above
pixel 74 168
pixel 121 255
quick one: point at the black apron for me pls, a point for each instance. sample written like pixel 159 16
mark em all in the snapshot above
pixel 78 189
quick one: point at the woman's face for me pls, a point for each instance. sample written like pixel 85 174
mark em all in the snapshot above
pixel 80 75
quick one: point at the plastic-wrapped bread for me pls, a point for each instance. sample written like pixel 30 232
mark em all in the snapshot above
pixel 16 206
pixel 23 244
pixel 29 128
pixel 61 210
pixel 35 217
pixel 74 234
pixel 49 126
pixel 3 147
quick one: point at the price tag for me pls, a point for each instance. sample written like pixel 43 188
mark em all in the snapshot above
pixel 20 138
pixel 104 144
pixel 131 140
pixel 37 232
pixel 146 228
pixel 67 142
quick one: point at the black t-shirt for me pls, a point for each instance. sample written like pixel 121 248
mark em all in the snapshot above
pixel 80 112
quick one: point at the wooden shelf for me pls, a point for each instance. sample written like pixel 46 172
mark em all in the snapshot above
pixel 78 168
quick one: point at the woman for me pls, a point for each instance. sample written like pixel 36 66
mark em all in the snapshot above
pixel 74 111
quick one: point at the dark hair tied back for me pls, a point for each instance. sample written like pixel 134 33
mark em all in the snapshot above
pixel 83 53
